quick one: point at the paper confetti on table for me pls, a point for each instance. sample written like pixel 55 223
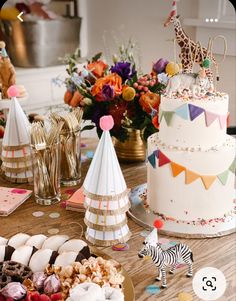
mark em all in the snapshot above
pixel 153 289
pixel 90 154
pixel 63 204
pixel 83 158
pixel 164 241
pixel 179 266
pixel 70 191
pixel 144 233
pixel 120 247
pixel 173 243
pixel 83 145
pixel 54 215
pixel 38 213
pixel 185 297
pixel 53 231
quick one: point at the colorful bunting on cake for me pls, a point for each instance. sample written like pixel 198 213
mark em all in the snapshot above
pixel 160 115
pixel 183 111
pixel 156 153
pixel 163 159
pixel 168 115
pixel 190 176
pixel 222 120
pixel 208 181
pixel 233 166
pixel 176 169
pixel 195 111
pixel 223 177
pixel 210 118
pixel 152 160
pixel 191 112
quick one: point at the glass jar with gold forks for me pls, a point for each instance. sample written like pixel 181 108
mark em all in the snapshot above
pixel 45 149
pixel 70 145
pixel 70 157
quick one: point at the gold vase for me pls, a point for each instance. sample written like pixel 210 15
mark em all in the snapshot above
pixel 133 149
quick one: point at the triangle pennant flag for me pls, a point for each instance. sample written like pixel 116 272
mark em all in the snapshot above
pixel 190 176
pixel 210 118
pixel 160 115
pixel 168 117
pixel 156 153
pixel 194 111
pixel 223 176
pixel 183 111
pixel 222 121
pixel 233 166
pixel 163 159
pixel 176 169
pixel 152 160
pixel 208 181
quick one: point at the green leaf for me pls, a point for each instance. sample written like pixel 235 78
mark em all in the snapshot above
pixel 88 128
pixel 149 131
pixel 96 57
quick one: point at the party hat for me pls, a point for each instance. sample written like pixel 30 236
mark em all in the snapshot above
pixel 173 13
pixel 152 238
pixel 16 158
pixel 173 9
pixel 17 126
pixel 104 177
pixel 106 194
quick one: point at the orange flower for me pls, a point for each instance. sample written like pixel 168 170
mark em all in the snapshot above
pixel 155 122
pixel 97 68
pixel 113 80
pixel 76 99
pixel 149 100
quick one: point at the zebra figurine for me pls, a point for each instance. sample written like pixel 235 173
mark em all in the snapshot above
pixel 168 258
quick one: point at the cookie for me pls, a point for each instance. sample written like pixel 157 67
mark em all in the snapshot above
pixel 17 271
pixel 4 280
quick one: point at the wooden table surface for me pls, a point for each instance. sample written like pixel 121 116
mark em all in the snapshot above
pixel 214 252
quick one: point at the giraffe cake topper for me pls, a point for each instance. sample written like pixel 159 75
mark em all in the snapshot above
pixel 191 53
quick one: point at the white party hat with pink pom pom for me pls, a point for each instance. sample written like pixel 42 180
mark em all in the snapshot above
pixel 104 177
pixel 17 126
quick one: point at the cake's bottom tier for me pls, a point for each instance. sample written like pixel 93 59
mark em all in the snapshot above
pixel 191 187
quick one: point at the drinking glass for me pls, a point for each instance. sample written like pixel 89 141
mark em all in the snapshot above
pixel 46 172
pixel 70 158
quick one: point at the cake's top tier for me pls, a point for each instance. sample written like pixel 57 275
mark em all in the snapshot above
pixel 193 123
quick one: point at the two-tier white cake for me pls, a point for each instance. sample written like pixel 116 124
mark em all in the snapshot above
pixel 191 168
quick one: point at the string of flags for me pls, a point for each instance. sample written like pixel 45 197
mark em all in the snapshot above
pixel 190 176
pixel 191 112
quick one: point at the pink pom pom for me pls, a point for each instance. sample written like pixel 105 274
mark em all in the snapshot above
pixel 13 91
pixel 106 123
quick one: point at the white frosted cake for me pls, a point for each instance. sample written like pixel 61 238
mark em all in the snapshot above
pixel 191 167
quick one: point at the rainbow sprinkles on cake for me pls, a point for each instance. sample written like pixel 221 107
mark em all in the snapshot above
pixel 191 160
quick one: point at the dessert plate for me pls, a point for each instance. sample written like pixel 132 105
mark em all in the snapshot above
pixel 127 285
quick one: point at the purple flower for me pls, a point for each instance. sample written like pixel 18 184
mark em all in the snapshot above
pixel 108 92
pixel 98 112
pixel 124 70
pixel 160 65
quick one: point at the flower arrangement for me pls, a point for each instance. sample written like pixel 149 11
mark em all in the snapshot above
pixel 120 90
